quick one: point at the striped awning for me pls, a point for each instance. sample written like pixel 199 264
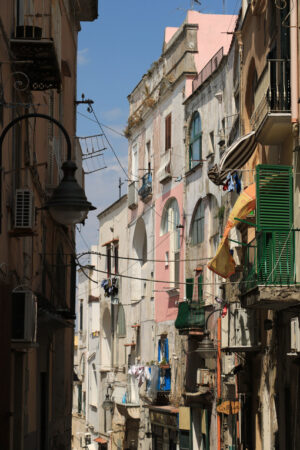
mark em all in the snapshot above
pixel 234 158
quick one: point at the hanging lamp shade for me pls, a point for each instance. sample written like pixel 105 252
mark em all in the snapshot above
pixel 206 347
pixel 68 204
pixel 108 403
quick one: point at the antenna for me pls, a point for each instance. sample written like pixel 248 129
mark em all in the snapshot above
pixel 120 185
pixel 193 3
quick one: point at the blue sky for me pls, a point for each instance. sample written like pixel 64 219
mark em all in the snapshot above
pixel 113 54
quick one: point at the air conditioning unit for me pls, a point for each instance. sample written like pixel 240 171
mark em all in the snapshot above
pixel 228 363
pixel 295 335
pixel 87 439
pixel 239 330
pixel 24 211
pixel 24 317
pixel 205 377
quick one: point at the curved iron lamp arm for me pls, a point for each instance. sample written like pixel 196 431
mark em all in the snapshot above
pixel 10 125
pixel 42 116
pixel 209 315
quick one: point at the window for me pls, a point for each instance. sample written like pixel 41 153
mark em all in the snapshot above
pixel 116 252
pixel 121 323
pixel 134 163
pixel 195 148
pixel 108 260
pixel 198 225
pixel 79 403
pixel 200 287
pixel 145 251
pixel 148 157
pixel 163 349
pixel 170 216
pixel 168 130
pixel 81 316
pixel 211 142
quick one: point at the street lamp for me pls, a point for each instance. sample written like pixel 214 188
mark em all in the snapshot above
pixel 206 347
pixel 68 204
pixel 108 402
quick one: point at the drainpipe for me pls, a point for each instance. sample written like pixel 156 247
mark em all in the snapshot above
pixel 294 60
pixel 219 381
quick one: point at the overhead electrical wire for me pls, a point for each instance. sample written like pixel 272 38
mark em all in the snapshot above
pixel 79 255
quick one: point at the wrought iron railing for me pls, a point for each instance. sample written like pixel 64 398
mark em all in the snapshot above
pixel 270 260
pixel 273 91
pixel 146 188
pixel 207 70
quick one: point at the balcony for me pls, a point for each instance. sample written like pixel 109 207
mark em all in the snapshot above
pixel 271 118
pixel 87 10
pixel 269 278
pixel 164 173
pixel 36 46
pixel 145 191
pixel 190 317
pixel 210 67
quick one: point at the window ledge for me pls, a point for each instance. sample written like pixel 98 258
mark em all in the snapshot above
pixel 193 169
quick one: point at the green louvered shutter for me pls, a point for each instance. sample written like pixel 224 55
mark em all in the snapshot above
pixel 274 211
pixel 200 288
pixel 189 288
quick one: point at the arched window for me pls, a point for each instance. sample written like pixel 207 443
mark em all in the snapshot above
pixel 170 220
pixel 197 230
pixel 121 324
pixel 195 142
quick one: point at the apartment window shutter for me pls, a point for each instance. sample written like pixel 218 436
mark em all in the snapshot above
pixel 168 132
pixel 166 349
pixel 189 287
pixel 274 192
pixel 158 355
pixel 200 288
pixel 79 406
pixel 167 386
pixel 274 211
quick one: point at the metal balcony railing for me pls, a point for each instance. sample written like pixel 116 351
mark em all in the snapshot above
pixel 273 91
pixel 270 260
pixel 36 43
pixel 146 188
pixel 207 70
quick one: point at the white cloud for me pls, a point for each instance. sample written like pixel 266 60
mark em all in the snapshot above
pixel 82 57
pixel 113 114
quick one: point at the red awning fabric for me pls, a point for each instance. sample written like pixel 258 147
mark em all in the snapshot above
pixel 100 440
pixel 110 242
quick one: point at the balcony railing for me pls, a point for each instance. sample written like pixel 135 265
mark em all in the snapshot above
pixel 272 96
pixel 145 190
pixel 270 260
pixel 210 67
pixel 36 44
pixel 190 316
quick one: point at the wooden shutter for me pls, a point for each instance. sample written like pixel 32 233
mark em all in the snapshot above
pixel 200 288
pixel 274 192
pixel 168 132
pixel 275 237
pixel 189 287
